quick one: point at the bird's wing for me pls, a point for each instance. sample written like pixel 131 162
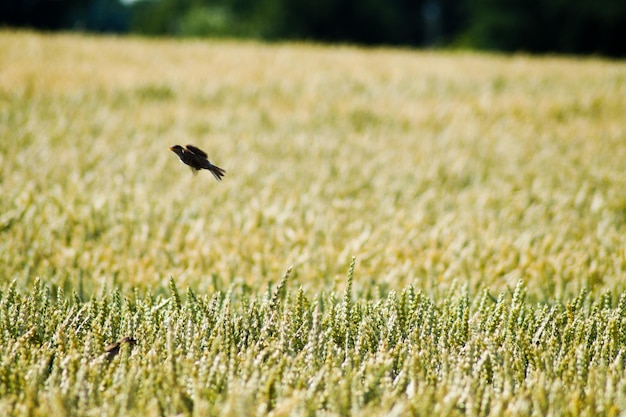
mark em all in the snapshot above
pixel 197 151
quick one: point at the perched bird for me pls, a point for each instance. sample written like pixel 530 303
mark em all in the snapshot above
pixel 114 348
pixel 197 160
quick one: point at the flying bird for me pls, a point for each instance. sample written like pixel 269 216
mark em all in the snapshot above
pixel 114 348
pixel 197 159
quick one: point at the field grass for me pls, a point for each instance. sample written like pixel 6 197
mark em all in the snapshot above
pixel 398 232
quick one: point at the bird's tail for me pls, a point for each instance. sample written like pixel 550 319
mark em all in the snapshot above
pixel 217 172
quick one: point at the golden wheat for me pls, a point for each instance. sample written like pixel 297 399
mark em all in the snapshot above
pixel 428 167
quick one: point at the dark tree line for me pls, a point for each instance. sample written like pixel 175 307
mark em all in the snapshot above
pixel 566 26
pixel 89 15
pixel 569 26
pixel 369 22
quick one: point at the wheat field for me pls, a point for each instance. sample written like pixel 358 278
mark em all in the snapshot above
pixel 426 231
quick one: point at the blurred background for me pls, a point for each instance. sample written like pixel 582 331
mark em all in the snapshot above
pixel 535 26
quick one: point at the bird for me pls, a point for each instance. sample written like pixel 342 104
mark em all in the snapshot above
pixel 197 159
pixel 114 348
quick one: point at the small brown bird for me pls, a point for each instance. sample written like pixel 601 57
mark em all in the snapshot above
pixel 197 159
pixel 114 348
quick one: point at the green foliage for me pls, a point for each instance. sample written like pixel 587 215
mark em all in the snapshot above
pixel 540 26
pixel 578 26
pixel 575 26
pixel 207 21
pixel 196 18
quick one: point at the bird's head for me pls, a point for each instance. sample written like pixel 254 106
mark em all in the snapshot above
pixel 177 149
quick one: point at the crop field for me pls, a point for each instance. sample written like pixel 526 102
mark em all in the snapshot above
pixel 399 232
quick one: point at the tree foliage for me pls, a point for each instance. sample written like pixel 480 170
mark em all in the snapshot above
pixel 576 26
pixel 90 15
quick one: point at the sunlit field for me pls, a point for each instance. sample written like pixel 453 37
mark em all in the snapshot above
pixel 398 232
